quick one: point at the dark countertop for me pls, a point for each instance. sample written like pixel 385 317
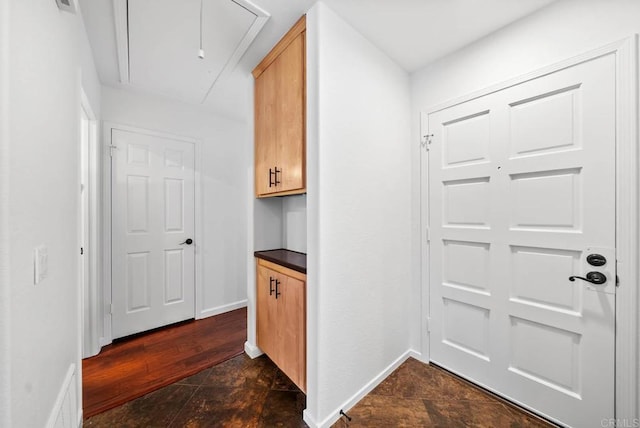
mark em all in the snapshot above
pixel 287 258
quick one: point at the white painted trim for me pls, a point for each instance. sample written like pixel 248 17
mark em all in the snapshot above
pixel 57 411
pixel 348 404
pixel 106 338
pixel 251 264
pixel 627 228
pixel 425 246
pixel 199 232
pixel 91 334
pixel 60 399
pixel 5 288
pixel 252 350
pixel 261 19
pixel 223 309
pixel 107 184
pixel 121 24
pixel 627 239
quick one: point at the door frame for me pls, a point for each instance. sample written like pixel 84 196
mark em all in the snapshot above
pixel 627 354
pixel 90 291
pixel 107 213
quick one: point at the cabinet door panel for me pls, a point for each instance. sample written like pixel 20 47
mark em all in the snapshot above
pixel 292 330
pixel 290 134
pixel 266 314
pixel 266 122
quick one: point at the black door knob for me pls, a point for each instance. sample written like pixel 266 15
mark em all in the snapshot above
pixel 592 277
pixel 188 241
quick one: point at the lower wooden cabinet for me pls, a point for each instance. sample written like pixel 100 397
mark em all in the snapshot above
pixel 281 319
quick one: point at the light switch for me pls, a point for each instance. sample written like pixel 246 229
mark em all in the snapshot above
pixel 40 264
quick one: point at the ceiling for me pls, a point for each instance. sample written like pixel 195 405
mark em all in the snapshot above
pixel 152 45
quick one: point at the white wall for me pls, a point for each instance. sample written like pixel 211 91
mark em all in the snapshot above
pixel 294 223
pixel 359 214
pixel 281 222
pixel 5 289
pixel 562 30
pixel 49 57
pixel 225 158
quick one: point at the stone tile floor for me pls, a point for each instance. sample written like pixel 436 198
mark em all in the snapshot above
pixel 242 392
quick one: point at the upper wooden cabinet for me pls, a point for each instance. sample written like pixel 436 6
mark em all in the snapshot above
pixel 280 119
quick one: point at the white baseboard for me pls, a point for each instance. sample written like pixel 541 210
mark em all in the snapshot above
pixel 418 356
pixel 205 313
pixel 104 342
pixel 306 417
pixel 65 409
pixel 335 415
pixel 252 350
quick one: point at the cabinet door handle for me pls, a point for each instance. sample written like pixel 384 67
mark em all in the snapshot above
pixel 278 171
pixel 271 182
pixel 271 289
pixel 277 285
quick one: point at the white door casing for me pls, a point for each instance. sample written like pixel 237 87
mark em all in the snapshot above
pixel 521 190
pixel 153 214
pixel 85 267
pixel 90 214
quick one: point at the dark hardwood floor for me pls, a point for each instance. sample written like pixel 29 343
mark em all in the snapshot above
pixel 135 366
pixel 246 393
pixel 192 382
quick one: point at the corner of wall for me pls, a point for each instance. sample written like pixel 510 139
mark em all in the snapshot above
pixel 67 412
pixel 313 201
pixel 366 389
pixel 5 292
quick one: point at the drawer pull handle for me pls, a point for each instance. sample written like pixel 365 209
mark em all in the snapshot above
pixel 277 285
pixel 274 173
pixel 278 171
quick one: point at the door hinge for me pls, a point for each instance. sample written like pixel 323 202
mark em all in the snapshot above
pixel 426 141
pixel 111 149
pixel 110 309
pixel 428 324
pixel 82 251
pixel 428 233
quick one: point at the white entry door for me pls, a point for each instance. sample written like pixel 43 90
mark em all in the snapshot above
pixel 153 271
pixel 521 193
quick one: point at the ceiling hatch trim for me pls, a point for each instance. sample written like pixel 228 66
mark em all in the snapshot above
pixel 121 23
pixel 262 17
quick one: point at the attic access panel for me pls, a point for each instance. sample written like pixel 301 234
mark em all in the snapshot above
pixel 163 39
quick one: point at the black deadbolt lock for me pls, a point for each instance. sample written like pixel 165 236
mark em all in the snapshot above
pixel 596 260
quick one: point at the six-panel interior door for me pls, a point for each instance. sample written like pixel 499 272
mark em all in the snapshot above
pixel 521 191
pixel 153 271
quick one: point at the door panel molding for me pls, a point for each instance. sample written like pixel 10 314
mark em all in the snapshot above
pixel 627 340
pixel 107 215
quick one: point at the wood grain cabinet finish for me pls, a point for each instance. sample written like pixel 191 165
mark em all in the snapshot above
pixel 280 118
pixel 281 319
